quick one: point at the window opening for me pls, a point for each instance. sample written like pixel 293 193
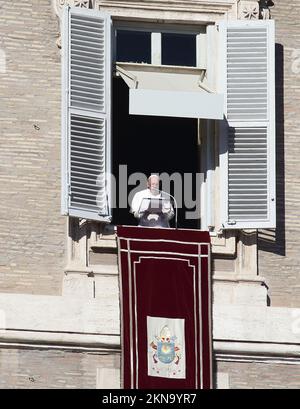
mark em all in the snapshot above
pixel 178 49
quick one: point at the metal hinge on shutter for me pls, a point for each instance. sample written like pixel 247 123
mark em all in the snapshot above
pixel 69 194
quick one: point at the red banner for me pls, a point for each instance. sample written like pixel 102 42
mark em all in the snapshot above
pixel 165 295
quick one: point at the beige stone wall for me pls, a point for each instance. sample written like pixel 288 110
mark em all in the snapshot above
pixel 62 369
pixel 52 369
pixel 257 375
pixel 32 233
pixel 279 253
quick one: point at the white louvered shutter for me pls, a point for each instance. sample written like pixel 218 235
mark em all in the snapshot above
pixel 86 106
pixel 247 157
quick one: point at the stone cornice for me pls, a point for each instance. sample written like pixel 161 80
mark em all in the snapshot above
pixel 243 9
pixel 172 11
pixel 59 320
pixel 183 11
pixel 217 6
pixel 93 343
pixel 117 7
pixel 200 11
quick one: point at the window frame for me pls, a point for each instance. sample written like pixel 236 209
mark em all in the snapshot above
pixel 203 61
pixel 156 44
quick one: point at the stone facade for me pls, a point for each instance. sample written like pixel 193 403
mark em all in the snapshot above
pixel 245 375
pixel 24 368
pixel 279 251
pixel 42 254
pixel 33 234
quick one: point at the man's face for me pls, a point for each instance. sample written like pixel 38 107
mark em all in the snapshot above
pixel 153 185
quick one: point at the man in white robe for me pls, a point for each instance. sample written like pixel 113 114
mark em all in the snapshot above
pixel 142 200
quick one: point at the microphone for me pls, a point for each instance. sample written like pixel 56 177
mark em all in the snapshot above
pixel 175 202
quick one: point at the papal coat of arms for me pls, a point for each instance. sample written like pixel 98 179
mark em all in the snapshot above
pixel 165 352
pixel 164 347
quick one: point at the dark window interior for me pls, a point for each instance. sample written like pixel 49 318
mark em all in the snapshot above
pixel 178 49
pixel 133 46
pixel 151 144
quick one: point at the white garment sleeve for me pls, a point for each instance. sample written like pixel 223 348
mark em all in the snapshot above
pixel 168 209
pixel 136 203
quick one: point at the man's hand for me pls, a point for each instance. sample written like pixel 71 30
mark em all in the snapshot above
pixel 166 208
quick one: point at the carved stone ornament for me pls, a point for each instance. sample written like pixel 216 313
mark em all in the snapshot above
pixel 248 10
pixel 59 4
pixel 58 8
